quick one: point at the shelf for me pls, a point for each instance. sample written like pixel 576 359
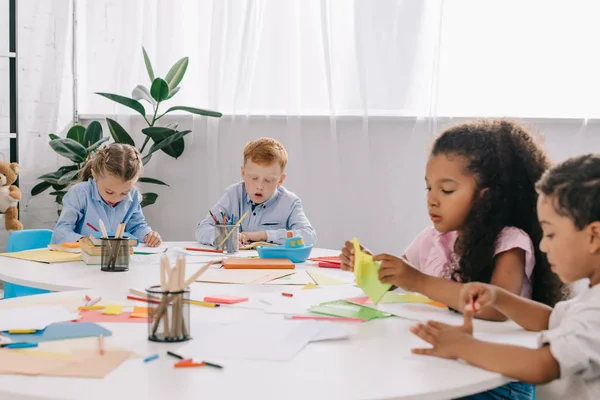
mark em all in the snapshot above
pixel 8 135
pixel 8 55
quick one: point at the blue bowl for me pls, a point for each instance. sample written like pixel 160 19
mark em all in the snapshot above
pixel 295 255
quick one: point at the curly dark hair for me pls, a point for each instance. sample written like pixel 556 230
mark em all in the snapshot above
pixel 504 159
pixel 574 187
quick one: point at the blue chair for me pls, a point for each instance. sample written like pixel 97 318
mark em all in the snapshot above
pixel 28 239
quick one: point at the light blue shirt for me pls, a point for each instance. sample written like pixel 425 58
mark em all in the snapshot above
pixel 281 213
pixel 83 204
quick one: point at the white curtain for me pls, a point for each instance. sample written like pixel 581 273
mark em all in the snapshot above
pixel 355 90
pixel 327 78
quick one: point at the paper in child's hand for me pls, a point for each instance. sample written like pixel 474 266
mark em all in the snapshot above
pixel 366 273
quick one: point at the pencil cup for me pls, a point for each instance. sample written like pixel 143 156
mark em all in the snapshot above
pixel 232 233
pixel 115 255
pixel 169 315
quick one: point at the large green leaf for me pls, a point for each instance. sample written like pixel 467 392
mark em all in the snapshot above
pixel 126 101
pixel 119 134
pixel 93 133
pixel 173 92
pixel 39 188
pixel 59 196
pixel 69 148
pixel 159 89
pixel 53 136
pixel 77 133
pixel 146 159
pixel 148 199
pixel 198 111
pixel 68 178
pixel 158 134
pixel 99 143
pixel 175 74
pixel 141 92
pixel 145 179
pixel 53 177
pixel 148 65
pixel 175 141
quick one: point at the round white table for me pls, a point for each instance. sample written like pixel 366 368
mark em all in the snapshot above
pixel 375 363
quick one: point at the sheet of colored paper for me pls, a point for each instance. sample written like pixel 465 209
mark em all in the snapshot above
pixel 365 271
pixel 98 316
pixel 393 297
pixel 61 331
pixel 344 309
pixel 242 276
pixel 139 312
pixel 44 256
pixel 113 309
pixel 322 279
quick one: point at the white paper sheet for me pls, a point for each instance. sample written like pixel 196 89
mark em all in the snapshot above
pixel 35 317
pixel 144 248
pixel 258 340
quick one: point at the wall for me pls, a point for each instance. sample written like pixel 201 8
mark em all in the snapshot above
pixel 44 50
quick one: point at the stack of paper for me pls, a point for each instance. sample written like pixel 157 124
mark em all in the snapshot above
pixel 273 340
pixel 34 317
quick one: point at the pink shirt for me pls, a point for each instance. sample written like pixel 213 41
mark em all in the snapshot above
pixel 431 251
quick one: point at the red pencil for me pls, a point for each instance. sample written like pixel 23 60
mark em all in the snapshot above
pixel 206 250
pixel 93 227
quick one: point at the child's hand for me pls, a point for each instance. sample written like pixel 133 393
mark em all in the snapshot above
pixel 474 296
pixel 447 340
pixel 347 256
pixel 248 237
pixel 397 271
pixel 153 239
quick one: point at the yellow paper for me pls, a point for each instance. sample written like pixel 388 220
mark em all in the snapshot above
pixel 44 256
pixel 323 279
pixel 366 274
pixel 115 309
pixel 310 286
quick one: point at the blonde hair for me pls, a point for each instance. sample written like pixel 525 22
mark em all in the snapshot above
pixel 266 151
pixel 120 160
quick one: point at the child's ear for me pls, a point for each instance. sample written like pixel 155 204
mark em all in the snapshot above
pixel 242 171
pixel 482 192
pixel 281 179
pixel 594 230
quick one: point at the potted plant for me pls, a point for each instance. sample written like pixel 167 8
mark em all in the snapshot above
pixel 81 142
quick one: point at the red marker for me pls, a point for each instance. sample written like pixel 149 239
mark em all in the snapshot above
pixel 287 294
pixel 93 227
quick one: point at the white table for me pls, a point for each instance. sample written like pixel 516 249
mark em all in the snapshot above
pixel 77 275
pixel 376 363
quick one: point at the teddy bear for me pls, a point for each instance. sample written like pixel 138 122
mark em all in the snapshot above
pixel 10 196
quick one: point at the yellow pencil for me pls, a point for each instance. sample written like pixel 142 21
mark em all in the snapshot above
pixel 201 303
pixel 21 331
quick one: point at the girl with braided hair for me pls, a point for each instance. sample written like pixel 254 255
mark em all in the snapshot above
pixel 106 192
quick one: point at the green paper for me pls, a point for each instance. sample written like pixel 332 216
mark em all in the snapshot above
pixel 366 273
pixel 344 309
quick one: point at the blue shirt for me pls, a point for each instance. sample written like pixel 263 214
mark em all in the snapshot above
pixel 83 204
pixel 281 213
